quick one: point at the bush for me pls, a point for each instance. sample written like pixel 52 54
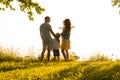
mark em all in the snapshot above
pixel 73 56
pixel 99 57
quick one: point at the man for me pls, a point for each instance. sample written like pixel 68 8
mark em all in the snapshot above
pixel 45 33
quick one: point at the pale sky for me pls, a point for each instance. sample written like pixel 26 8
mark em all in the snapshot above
pixel 96 26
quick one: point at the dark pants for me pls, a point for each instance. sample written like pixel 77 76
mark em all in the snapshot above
pixel 56 52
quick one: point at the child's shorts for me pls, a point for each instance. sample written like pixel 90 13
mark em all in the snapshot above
pixel 56 52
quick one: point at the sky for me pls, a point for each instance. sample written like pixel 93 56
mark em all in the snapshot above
pixel 96 27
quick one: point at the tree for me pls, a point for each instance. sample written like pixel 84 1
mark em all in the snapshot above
pixel 116 3
pixel 27 6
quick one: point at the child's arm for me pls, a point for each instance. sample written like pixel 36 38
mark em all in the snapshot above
pixel 58 40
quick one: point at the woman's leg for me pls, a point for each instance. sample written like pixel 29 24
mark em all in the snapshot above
pixel 67 55
pixel 63 54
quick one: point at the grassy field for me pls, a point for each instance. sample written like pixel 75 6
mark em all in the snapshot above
pixel 60 71
pixel 13 67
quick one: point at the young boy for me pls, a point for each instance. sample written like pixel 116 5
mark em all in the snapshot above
pixel 56 45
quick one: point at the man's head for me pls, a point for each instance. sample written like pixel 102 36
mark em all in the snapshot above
pixel 47 19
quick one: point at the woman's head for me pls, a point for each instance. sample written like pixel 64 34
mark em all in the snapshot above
pixel 67 24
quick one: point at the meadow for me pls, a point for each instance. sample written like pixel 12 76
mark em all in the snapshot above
pixel 13 67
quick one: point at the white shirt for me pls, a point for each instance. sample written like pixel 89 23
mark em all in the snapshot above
pixel 56 44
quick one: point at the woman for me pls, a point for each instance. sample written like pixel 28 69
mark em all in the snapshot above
pixel 65 36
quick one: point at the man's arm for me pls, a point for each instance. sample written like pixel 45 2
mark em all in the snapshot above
pixel 54 35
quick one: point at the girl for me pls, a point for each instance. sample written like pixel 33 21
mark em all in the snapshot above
pixel 65 36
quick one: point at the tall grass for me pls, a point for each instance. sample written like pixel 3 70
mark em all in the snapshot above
pixel 9 55
pixel 99 57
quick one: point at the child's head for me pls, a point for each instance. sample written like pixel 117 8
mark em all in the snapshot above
pixel 57 35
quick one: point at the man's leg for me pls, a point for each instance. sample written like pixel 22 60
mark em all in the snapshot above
pixel 42 55
pixel 43 50
pixel 50 46
pixel 48 55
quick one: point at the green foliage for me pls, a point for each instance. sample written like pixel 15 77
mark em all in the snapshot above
pixel 27 6
pixel 116 3
pixel 99 57
pixel 7 4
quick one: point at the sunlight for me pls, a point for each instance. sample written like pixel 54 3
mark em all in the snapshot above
pixel 96 26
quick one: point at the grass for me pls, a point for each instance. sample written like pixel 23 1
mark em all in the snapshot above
pixel 60 71
pixel 12 68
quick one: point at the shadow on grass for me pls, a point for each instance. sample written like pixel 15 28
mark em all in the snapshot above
pixel 72 73
pixel 79 71
pixel 89 72
pixel 100 72
pixel 9 66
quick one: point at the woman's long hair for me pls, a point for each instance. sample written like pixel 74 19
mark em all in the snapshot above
pixel 67 24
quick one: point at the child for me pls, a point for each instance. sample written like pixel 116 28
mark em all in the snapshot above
pixel 56 45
